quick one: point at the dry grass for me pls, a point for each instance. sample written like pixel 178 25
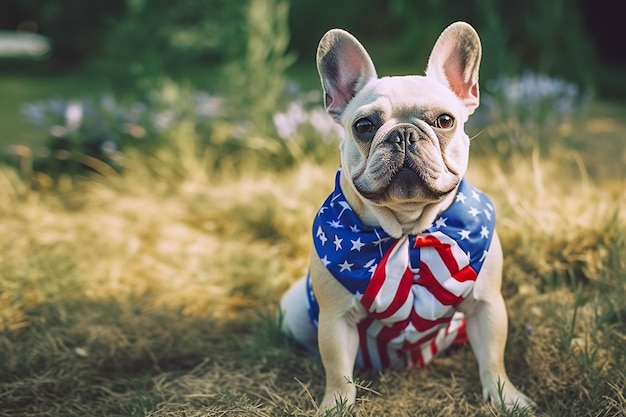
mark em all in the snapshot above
pixel 155 294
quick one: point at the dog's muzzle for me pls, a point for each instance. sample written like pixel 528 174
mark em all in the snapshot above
pixel 404 138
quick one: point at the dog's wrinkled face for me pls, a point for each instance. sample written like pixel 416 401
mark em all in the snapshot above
pixel 404 143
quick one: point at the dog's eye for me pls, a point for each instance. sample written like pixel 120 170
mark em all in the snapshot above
pixel 444 121
pixel 364 126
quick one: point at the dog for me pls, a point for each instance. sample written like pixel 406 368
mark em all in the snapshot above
pixel 406 260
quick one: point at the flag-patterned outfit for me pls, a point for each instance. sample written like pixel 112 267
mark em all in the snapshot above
pixel 409 286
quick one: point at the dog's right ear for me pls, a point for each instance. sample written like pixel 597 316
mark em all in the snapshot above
pixel 344 67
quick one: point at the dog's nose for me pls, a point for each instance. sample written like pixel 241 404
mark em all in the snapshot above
pixel 403 136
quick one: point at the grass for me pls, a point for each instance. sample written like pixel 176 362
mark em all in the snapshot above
pixel 154 293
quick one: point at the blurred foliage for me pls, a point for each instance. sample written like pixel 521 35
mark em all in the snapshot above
pixel 521 114
pixel 140 41
pixel 96 135
pixel 93 134
pixel 157 39
pixel 161 111
pixel 76 27
pixel 542 36
pixel 246 48
pixel 256 80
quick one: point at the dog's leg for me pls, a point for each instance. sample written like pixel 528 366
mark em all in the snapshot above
pixel 296 321
pixel 338 336
pixel 487 326
pixel 338 343
pixel 487 331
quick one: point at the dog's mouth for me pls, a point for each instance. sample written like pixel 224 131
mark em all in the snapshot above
pixel 408 185
pixel 408 166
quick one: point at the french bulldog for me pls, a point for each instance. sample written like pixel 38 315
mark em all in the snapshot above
pixel 406 260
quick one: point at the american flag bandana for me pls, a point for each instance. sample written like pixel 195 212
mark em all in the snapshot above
pixel 409 286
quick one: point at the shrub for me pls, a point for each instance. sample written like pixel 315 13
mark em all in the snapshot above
pixel 160 39
pixel 255 82
pixel 87 134
pixel 91 134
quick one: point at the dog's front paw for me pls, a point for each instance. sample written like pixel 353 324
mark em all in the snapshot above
pixel 503 393
pixel 338 404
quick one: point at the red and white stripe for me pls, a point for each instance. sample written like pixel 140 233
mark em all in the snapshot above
pixel 412 315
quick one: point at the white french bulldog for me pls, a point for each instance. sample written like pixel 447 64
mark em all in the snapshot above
pixel 406 260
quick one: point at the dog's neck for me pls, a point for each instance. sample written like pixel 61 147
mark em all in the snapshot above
pixel 397 221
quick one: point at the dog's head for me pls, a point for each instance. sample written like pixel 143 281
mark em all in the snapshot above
pixel 405 146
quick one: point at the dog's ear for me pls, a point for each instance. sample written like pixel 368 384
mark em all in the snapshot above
pixel 344 67
pixel 455 61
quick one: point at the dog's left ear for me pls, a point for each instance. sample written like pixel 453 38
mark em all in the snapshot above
pixel 455 61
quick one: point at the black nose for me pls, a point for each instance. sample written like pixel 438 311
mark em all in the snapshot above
pixel 403 136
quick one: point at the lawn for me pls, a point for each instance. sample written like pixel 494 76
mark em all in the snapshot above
pixel 154 292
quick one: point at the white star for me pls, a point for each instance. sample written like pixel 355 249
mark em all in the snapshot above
pixel 337 243
pixel 325 260
pixel 475 195
pixel 322 210
pixel 380 241
pixel 346 266
pixel 487 214
pixel 371 265
pixel 321 235
pixel 482 258
pixel 357 245
pixel 465 234
pixel 354 229
pixel 484 232
pixel 335 224
pixel 461 197
pixel 441 222
pixel 345 206
pixel 489 206
pixel 473 211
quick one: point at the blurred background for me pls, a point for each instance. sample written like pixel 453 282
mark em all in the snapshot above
pixel 82 79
